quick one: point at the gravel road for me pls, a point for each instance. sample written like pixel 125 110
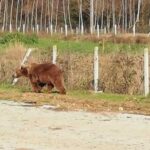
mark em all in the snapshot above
pixel 39 128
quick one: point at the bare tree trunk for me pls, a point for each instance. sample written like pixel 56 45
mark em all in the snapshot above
pixel 52 9
pixel 119 18
pixel 21 13
pixel 32 14
pixel 81 17
pixel 69 15
pixel 96 13
pixel 65 18
pixel 48 14
pixel 123 15
pixel 98 17
pixel 4 17
pixel 79 25
pixel 126 24
pixel 17 14
pixel 138 13
pixel 51 23
pixel 91 16
pixel 113 13
pixel 131 14
pixel 6 11
pixel 36 19
pixel 134 13
pixel 41 19
pixel 10 24
pixel 64 10
pixel 57 5
pixel 102 16
pixel 27 16
pixel 108 18
pixel 0 7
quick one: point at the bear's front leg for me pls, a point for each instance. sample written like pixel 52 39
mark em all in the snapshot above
pixel 36 88
pixel 50 86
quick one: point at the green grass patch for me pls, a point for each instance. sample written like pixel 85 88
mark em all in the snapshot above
pixel 5 87
pixel 7 38
pixel 133 48
pixel 86 46
pixel 66 45
pixel 82 94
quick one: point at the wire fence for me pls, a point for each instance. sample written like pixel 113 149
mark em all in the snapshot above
pixel 117 73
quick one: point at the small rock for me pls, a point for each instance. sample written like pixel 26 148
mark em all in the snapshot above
pixel 49 107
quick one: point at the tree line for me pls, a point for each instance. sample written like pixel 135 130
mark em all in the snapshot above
pixel 74 15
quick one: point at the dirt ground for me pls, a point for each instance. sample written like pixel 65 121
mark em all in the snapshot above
pixel 71 103
pixel 25 127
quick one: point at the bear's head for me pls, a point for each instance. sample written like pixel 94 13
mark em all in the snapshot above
pixel 23 71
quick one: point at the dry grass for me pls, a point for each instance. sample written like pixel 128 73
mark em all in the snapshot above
pixel 119 73
pixel 120 38
pixel 122 73
pixel 10 59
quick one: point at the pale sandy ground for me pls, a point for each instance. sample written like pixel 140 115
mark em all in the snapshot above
pixel 31 128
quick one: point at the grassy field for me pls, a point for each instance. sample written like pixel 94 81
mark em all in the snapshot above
pixel 77 44
pixel 88 46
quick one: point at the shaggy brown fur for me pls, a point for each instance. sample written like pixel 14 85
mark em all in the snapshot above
pixel 43 74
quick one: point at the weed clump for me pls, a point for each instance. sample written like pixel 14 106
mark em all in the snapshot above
pixel 18 37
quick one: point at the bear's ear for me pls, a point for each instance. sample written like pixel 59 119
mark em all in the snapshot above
pixel 21 67
pixel 24 71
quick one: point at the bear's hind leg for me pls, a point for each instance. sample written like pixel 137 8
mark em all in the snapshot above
pixel 50 86
pixel 59 85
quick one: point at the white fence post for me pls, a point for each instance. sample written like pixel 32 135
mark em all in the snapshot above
pixel 54 54
pixel 96 71
pixel 10 28
pixel 105 31
pixel 26 56
pixel 51 29
pixel 82 29
pixel 146 72
pixel 134 30
pixel 33 29
pixel 61 30
pixel 37 29
pixel 115 29
pixel 24 28
pixel 47 30
pixel 66 30
pixel 18 29
pixel 23 62
pixel 77 30
pixel 3 28
pixel 98 30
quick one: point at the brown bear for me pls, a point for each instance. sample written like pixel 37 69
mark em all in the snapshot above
pixel 43 74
